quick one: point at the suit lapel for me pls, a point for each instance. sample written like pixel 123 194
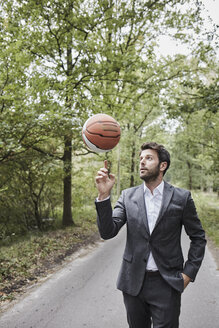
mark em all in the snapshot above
pixel 167 195
pixel 142 207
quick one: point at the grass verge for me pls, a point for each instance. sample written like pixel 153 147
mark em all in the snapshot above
pixel 23 262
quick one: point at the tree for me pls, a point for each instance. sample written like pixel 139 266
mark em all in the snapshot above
pixel 77 58
pixel 194 103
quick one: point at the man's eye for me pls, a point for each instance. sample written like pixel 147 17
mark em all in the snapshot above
pixel 149 158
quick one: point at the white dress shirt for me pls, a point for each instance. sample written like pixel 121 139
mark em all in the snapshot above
pixel 153 205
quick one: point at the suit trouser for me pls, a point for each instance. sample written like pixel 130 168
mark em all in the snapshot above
pixel 157 302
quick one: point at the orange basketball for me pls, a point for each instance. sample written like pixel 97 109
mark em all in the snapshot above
pixel 101 133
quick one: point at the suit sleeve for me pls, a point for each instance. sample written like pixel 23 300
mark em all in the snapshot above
pixel 196 234
pixel 110 221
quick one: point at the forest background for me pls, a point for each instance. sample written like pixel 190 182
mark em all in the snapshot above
pixel 64 61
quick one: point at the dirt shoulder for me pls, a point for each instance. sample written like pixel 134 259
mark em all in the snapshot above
pixel 20 274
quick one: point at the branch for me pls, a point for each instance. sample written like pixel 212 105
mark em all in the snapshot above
pixel 47 153
pixel 11 154
pixel 142 122
pixel 4 85
pixel 206 145
pixel 57 41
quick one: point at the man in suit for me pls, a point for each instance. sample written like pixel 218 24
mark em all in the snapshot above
pixel 153 273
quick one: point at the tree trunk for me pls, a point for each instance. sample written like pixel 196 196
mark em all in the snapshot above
pixel 37 215
pixel 67 162
pixel 118 172
pixel 132 178
pixel 67 158
pixel 190 175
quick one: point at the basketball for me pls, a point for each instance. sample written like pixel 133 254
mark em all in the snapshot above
pixel 101 133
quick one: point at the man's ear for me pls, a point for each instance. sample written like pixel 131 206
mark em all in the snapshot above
pixel 163 166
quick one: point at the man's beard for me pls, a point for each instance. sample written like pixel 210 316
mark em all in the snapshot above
pixel 151 175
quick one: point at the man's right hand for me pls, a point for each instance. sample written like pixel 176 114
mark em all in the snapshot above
pixel 104 182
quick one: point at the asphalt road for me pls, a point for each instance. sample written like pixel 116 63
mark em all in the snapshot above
pixel 83 294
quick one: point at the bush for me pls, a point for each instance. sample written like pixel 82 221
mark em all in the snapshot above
pixel 207 206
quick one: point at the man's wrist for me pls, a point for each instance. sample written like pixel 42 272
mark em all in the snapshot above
pixel 186 279
pixel 102 197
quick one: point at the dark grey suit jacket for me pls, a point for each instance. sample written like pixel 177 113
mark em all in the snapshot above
pixel 177 209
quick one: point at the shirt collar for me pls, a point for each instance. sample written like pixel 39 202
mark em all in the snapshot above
pixel 157 190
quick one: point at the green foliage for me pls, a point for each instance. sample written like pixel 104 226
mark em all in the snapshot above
pixel 27 199
pixel 195 142
pixel 207 207
pixel 61 62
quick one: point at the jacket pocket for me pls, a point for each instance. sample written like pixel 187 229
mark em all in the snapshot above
pixel 127 257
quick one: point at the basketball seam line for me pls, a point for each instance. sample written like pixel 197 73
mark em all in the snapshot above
pixel 98 134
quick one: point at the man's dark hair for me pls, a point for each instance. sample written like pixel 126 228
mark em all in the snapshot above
pixel 163 154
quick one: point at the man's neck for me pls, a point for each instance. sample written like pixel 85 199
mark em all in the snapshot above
pixel 153 184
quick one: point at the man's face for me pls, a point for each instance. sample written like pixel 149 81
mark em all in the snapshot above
pixel 149 165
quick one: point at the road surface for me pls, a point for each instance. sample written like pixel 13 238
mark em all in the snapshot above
pixel 83 294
